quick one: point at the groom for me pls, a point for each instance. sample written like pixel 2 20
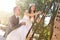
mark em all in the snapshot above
pixel 14 21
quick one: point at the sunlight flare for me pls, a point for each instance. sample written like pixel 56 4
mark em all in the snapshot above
pixel 7 5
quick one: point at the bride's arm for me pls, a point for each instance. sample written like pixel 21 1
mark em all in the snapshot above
pixel 32 15
pixel 38 19
pixel 26 13
pixel 37 13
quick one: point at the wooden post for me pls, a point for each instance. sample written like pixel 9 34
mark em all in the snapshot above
pixel 56 27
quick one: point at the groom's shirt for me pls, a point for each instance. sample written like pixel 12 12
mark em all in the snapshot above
pixel 17 17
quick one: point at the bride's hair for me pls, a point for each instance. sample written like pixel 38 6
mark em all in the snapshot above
pixel 29 10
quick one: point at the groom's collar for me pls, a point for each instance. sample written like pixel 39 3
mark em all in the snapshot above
pixel 16 16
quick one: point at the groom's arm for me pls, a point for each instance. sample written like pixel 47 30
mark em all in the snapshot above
pixel 19 25
pixel 22 23
pixel 13 25
pixel 11 22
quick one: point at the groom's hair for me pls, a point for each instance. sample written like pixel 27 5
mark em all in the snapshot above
pixel 16 7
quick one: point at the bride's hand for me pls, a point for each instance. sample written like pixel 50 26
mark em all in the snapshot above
pixel 23 23
pixel 39 12
pixel 38 20
pixel 44 14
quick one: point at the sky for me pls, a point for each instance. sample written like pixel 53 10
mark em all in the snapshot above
pixel 7 5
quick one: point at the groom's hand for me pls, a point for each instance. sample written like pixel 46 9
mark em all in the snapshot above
pixel 23 23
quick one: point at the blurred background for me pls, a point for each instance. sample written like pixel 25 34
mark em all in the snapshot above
pixel 6 10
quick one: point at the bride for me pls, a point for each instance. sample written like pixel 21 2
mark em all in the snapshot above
pixel 21 32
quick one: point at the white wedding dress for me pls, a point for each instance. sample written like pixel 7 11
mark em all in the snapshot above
pixel 21 32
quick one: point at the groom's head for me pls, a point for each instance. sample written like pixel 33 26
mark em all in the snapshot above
pixel 17 10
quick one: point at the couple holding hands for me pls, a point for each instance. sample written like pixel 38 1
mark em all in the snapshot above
pixel 18 29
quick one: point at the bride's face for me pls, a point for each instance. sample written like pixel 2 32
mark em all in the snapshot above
pixel 33 7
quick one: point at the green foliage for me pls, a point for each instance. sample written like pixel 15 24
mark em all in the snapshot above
pixel 44 32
